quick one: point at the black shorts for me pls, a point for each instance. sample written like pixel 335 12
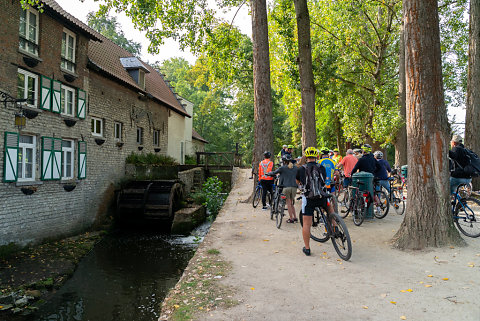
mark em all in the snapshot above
pixel 311 204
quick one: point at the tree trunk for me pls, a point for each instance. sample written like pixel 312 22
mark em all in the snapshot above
pixel 472 118
pixel 263 140
pixel 401 138
pixel 309 134
pixel 428 220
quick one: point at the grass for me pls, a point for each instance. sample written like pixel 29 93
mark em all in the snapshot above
pixel 199 289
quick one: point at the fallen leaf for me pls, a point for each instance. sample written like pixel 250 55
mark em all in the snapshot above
pixel 403 291
pixel 276 251
pixel 428 285
pixel 200 308
pixel 324 253
pixel 252 288
pixel 452 247
pixel 403 317
pixel 471 265
pixel 409 290
pixel 430 276
pixel 176 306
pixel 393 302
pixel 365 307
pixel 421 282
pixel 445 279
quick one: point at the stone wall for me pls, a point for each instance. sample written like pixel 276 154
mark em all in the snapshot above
pixel 192 179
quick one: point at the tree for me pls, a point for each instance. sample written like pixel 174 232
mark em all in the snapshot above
pixel 428 220
pixel 401 137
pixel 472 119
pixel 309 135
pixel 110 28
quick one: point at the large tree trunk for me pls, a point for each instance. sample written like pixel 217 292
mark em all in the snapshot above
pixel 472 119
pixel 261 82
pixel 309 134
pixel 428 220
pixel 401 138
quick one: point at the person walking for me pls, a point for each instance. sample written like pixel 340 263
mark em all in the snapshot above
pixel 265 166
pixel 458 160
pixel 348 163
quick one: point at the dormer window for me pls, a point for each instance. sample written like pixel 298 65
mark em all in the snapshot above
pixel 28 31
pixel 135 69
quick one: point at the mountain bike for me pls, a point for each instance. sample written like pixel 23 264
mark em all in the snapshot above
pixel 257 196
pixel 463 211
pixel 277 209
pixel 323 229
pixel 395 196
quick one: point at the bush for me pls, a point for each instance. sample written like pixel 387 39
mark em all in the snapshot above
pixel 190 160
pixel 199 198
pixel 212 189
pixel 150 159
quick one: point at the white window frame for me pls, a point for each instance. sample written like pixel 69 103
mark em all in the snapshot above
pixel 27 75
pixel 22 148
pixel 25 37
pixel 140 135
pixel 94 122
pixel 63 64
pixel 63 100
pixel 117 131
pixel 65 152
pixel 156 137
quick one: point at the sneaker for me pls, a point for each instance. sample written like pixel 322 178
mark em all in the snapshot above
pixel 264 208
pixel 306 251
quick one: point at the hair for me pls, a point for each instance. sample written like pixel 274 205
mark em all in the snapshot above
pixel 349 151
pixel 290 165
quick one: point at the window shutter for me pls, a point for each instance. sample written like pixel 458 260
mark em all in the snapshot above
pixel 57 158
pixel 57 96
pixel 81 103
pixel 82 160
pixel 47 161
pixel 10 164
pixel 45 93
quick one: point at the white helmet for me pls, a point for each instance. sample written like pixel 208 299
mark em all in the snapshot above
pixel 378 154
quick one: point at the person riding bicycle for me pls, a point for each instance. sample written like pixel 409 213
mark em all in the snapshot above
pixel 336 156
pixel 367 162
pixel 288 173
pixel 265 166
pixel 381 174
pixel 458 160
pixel 348 163
pixel 310 201
pixel 329 165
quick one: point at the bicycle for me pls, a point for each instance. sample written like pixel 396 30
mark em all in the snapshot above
pixel 463 211
pixel 257 196
pixel 322 230
pixel 399 181
pixel 395 196
pixel 277 208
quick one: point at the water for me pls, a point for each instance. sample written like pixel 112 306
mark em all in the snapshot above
pixel 125 277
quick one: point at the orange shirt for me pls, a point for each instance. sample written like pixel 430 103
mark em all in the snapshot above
pixel 265 167
pixel 348 163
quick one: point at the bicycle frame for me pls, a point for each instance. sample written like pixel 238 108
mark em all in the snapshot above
pixel 458 200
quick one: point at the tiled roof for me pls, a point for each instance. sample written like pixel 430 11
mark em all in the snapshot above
pixel 71 19
pixel 197 136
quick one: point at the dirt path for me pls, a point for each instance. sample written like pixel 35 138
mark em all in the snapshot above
pixel 274 280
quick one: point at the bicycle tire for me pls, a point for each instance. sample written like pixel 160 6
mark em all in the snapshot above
pixel 322 238
pixel 465 218
pixel 269 198
pixel 273 206
pixel 347 205
pixel 383 205
pixel 256 197
pixel 341 239
pixel 359 211
pixel 334 202
pixel 280 213
pixel 398 202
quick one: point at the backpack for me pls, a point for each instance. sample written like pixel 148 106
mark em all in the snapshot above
pixel 473 166
pixel 313 182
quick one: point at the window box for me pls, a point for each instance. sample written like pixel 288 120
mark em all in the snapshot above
pixel 157 150
pixel 28 190
pixel 31 61
pixel 69 77
pixel 30 113
pixel 119 144
pixel 70 122
pixel 69 187
pixel 140 147
pixel 99 141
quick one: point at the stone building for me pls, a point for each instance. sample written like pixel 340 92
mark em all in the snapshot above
pixel 83 105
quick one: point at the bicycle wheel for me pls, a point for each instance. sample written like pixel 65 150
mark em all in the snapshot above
pixel 404 189
pixel 347 205
pixel 257 197
pixel 334 202
pixel 319 230
pixel 381 204
pixel 467 216
pixel 273 206
pixel 341 238
pixel 398 202
pixel 358 211
pixel 280 213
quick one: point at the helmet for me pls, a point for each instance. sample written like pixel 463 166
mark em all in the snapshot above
pixel 267 154
pixel 287 158
pixel 378 154
pixel 367 148
pixel 324 150
pixel 336 150
pixel 311 152
pixel 284 146
pixel 291 146
pixel 357 150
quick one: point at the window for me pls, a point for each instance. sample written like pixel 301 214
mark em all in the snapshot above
pixel 67 159
pixel 27 87
pixel 156 137
pixel 97 126
pixel 28 31
pixel 68 50
pixel 141 78
pixel 118 131
pixel 26 158
pixel 140 135
pixel 67 101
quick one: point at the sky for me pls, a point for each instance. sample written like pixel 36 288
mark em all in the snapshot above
pixel 80 9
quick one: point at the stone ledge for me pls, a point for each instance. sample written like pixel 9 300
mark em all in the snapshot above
pixel 186 219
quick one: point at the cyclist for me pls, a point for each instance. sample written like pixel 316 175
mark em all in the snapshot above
pixel 309 203
pixel 358 153
pixel 382 172
pixel 348 163
pixel 458 160
pixel 329 165
pixel 265 166
pixel 367 162
pixel 336 156
pixel 288 173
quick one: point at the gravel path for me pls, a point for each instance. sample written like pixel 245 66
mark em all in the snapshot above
pixel 274 280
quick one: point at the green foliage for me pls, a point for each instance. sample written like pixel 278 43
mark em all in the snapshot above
pixel 199 198
pixel 212 189
pixel 150 159
pixel 190 160
pixel 111 29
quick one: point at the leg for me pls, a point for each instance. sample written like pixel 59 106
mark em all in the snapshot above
pixel 307 224
pixel 264 192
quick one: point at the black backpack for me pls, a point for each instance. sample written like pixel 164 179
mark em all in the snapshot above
pixel 313 182
pixel 473 166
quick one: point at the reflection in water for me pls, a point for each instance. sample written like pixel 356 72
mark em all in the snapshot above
pixel 125 277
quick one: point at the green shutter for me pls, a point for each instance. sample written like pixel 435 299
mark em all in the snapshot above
pixel 57 158
pixel 47 161
pixel 81 103
pixel 45 93
pixel 82 160
pixel 56 96
pixel 10 158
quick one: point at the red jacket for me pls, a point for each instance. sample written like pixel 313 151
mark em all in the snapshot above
pixel 265 167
